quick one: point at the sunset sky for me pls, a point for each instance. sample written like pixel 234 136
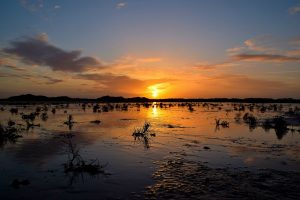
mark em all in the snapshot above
pixel 151 48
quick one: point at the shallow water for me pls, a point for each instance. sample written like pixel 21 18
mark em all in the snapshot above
pixel 128 163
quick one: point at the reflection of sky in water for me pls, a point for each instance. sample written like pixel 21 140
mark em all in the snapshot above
pixel 39 155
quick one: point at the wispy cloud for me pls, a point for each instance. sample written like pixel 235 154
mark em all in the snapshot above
pixel 265 57
pixel 38 51
pixel 121 5
pixel 295 41
pixel 149 60
pixel 206 66
pixel 294 10
pixel 263 44
pixel 57 7
pixel 32 5
pixel 261 49
pixel 51 80
pixel 295 52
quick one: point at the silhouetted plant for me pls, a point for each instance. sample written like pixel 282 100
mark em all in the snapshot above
pixel 30 117
pixel 9 133
pixel 223 123
pixel 142 134
pixel 77 164
pixel 250 120
pixel 190 107
pixel 280 126
pixel 267 125
pixel 70 122
pixel 96 108
pixel 14 110
pixel 238 117
pixel 44 116
pixel 96 122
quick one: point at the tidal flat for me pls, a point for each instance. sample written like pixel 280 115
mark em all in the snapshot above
pixel 154 150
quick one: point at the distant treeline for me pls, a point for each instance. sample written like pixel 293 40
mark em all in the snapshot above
pixel 27 98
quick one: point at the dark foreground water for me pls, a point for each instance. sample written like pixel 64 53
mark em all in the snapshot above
pixel 184 154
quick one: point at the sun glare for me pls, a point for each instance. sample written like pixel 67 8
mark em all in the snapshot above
pixel 154 93
pixel 157 90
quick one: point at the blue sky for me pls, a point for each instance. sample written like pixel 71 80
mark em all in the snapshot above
pixel 163 39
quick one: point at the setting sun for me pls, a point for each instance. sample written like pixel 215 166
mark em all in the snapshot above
pixel 154 93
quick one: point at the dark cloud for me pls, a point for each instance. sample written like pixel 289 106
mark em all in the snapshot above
pixel 34 78
pixel 265 57
pixel 12 75
pixel 15 68
pixel 40 52
pixel 50 80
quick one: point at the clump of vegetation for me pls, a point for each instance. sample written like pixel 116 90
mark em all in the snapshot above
pixel 250 120
pixel 143 134
pixel 44 116
pixel 70 121
pixel 190 107
pixel 77 164
pixel 96 121
pixel 223 123
pixel 238 117
pixel 9 133
pixel 267 125
pixel 277 123
pixel 30 117
pixel 142 131
pixel 14 110
pixel 96 108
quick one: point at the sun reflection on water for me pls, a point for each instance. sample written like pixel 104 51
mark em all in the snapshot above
pixel 154 112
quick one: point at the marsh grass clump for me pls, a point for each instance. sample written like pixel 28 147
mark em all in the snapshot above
pixel 77 164
pixel 143 134
pixel 10 132
pixel 237 117
pixel 14 111
pixel 44 116
pixel 30 117
pixel 267 125
pixel 95 122
pixel 142 131
pixel 70 121
pixel 190 107
pixel 95 108
pixel 223 123
pixel 280 126
pixel 251 120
